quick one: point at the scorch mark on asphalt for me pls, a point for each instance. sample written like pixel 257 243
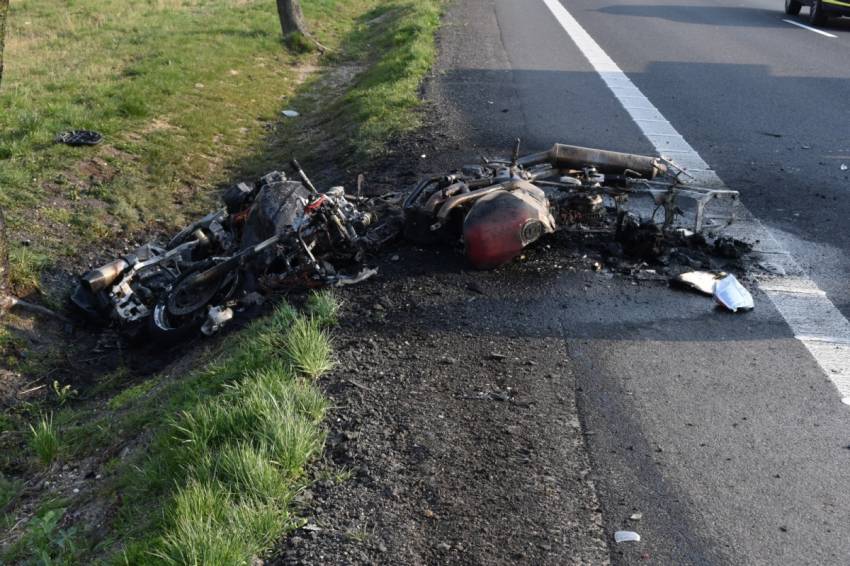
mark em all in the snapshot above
pixel 813 318
pixel 804 26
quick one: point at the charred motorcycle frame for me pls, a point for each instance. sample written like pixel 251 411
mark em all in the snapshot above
pixel 275 234
pixel 501 206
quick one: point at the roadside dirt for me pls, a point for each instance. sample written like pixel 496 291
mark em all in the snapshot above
pixel 460 431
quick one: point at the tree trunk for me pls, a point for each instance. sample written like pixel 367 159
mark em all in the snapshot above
pixel 291 18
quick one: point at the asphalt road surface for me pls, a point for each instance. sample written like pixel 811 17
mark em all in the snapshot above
pixel 724 431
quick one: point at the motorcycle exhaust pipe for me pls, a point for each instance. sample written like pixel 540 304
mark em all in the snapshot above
pixel 612 162
pixel 99 279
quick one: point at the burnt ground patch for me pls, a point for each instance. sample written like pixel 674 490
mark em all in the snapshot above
pixel 458 431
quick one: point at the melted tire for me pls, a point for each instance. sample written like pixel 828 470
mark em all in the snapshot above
pixel 166 329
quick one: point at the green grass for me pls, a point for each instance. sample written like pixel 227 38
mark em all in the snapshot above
pixel 227 465
pixel 44 439
pixel 130 394
pixel 25 265
pixel 63 393
pixel 324 307
pixel 9 489
pixel 44 542
pixel 309 347
pixel 385 97
pixel 225 450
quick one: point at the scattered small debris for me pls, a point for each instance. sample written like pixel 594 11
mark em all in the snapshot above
pixel 636 516
pixel 79 137
pixel 732 295
pixel 626 536
pixel 731 248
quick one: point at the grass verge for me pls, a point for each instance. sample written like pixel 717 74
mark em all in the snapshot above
pixel 233 459
pixel 224 453
pixel 383 101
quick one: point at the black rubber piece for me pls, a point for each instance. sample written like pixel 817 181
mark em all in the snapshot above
pixel 79 137
pixel 172 331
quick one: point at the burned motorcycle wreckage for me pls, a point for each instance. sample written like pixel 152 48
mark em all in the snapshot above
pixel 501 206
pixel 281 234
pixel 275 235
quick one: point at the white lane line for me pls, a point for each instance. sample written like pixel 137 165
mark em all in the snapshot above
pixel 812 317
pixel 804 26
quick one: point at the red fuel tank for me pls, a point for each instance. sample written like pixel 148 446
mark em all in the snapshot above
pixel 501 224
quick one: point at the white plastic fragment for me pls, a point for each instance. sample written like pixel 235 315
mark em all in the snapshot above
pixel 732 295
pixel 844 167
pixel 217 317
pixel 290 113
pixel 701 281
pixel 636 516
pixel 626 536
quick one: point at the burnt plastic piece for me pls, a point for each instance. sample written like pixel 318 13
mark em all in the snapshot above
pixel 79 137
pixel 275 208
pixel 91 305
pixel 641 239
pixel 237 197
